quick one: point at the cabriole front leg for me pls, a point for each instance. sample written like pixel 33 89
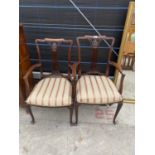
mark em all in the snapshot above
pixel 119 106
pixel 71 114
pixel 76 112
pixel 31 114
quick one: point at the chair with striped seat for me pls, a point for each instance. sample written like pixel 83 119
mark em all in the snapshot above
pixel 92 86
pixel 54 89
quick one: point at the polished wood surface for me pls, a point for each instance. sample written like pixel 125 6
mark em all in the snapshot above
pixel 24 64
pixel 127 48
pixel 129 28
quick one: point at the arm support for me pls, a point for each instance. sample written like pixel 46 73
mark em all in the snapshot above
pixel 118 68
pixel 26 76
pixel 73 67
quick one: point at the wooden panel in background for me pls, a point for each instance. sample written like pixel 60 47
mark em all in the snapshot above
pixel 24 64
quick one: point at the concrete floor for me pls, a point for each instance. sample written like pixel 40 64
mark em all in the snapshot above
pixel 94 135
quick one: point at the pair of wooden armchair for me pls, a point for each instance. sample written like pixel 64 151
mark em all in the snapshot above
pixel 75 88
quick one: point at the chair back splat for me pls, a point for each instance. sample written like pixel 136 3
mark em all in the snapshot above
pixel 95 45
pixel 53 48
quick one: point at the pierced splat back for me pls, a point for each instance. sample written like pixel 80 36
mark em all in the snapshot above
pixel 95 42
pixel 53 44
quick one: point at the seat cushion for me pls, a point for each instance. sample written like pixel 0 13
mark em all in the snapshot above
pixel 94 89
pixel 52 91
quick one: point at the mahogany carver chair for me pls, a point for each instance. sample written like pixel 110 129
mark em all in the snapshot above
pixel 94 87
pixel 54 89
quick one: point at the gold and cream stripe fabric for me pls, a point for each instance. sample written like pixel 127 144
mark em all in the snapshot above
pixel 92 89
pixel 52 92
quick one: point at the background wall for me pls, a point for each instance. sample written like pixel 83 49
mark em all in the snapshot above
pixel 58 18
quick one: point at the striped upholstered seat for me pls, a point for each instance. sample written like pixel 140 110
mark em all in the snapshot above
pixel 51 92
pixel 92 89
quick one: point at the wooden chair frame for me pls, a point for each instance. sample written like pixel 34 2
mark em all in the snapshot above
pixel 93 71
pixel 54 45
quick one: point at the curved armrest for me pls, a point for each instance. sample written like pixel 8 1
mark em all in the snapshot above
pixel 73 67
pixel 120 86
pixel 30 70
pixel 28 73
pixel 116 66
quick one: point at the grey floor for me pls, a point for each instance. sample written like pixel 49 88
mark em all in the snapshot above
pixel 94 135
